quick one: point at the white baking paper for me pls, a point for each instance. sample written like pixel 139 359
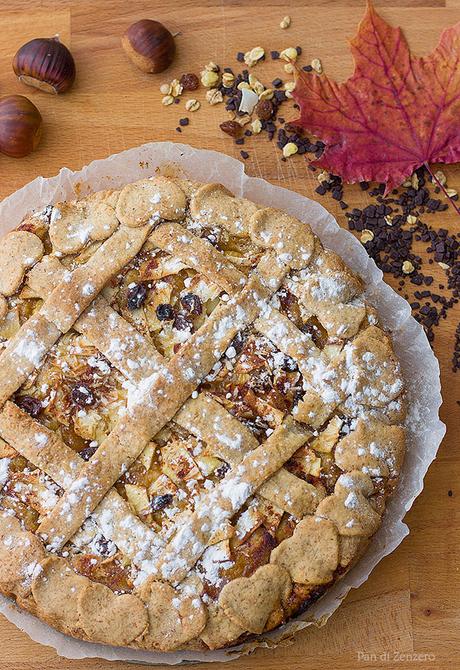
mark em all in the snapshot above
pixel 420 367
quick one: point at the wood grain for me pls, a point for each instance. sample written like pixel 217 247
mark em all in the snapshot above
pixel 411 603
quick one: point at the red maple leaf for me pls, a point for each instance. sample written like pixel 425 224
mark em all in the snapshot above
pixel 394 114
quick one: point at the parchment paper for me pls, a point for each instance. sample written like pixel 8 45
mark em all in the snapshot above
pixel 420 367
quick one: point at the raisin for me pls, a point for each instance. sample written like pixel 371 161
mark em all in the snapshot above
pixel 87 452
pixel 181 322
pixel 192 303
pixel 232 128
pixel 264 110
pixel 189 81
pixel 136 296
pixel 160 502
pixel 30 405
pixel 82 395
pixel 222 470
pixel 165 312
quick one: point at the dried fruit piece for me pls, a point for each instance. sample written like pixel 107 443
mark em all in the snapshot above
pixel 136 296
pixel 232 128
pixel 81 395
pixel 189 82
pixel 192 303
pixel 264 110
pixel 160 502
pixel 165 312
pixel 30 405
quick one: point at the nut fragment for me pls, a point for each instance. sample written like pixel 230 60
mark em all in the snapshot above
pixel 254 56
pixel 192 105
pixel 411 219
pixel 165 89
pixel 441 177
pixel 289 54
pixel 267 94
pixel 228 79
pixel 167 100
pixel 451 192
pixel 232 128
pixel 214 96
pixel 285 22
pixel 209 78
pixel 176 88
pixel 289 68
pixel 256 126
pixel 366 236
pixel 442 265
pixel 212 67
pixel 290 149
pixel 407 267
pixel 317 65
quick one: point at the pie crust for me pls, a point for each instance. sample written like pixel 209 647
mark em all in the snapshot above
pixel 201 418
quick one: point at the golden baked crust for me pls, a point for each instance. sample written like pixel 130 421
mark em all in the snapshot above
pixel 200 417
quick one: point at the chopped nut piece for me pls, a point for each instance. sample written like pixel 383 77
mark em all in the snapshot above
pixel 388 220
pixel 192 105
pixel 407 267
pixel 232 128
pixel 243 120
pixel 366 236
pixel 253 56
pixel 289 86
pixel 167 100
pixel 209 78
pixel 414 181
pixel 285 22
pixel 317 65
pixel 290 149
pixel 267 94
pixel 411 219
pixel 228 79
pixel 165 89
pixel 242 85
pixel 451 192
pixel 256 126
pixel 214 96
pixel 442 265
pixel 176 88
pixel 212 67
pixel 323 177
pixel 441 177
pixel 289 54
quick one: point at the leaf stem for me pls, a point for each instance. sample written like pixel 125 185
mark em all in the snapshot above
pixel 443 189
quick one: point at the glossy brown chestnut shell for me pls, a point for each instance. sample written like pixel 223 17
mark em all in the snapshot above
pixel 149 45
pixel 20 126
pixel 45 63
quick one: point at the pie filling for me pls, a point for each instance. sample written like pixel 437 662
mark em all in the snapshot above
pixel 198 433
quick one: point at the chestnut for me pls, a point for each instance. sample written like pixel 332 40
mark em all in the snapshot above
pixel 149 45
pixel 45 63
pixel 20 126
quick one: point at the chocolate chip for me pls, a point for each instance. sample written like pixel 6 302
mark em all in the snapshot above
pixel 136 296
pixel 81 395
pixel 244 155
pixel 192 303
pixel 30 405
pixel 165 312
pixel 160 502
pixel 222 470
pixel 184 122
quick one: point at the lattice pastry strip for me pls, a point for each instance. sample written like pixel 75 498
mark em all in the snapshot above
pixel 44 449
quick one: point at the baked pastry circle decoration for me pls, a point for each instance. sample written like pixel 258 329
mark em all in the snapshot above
pixel 201 419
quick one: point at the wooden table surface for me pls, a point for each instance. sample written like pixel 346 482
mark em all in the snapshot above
pixel 408 612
